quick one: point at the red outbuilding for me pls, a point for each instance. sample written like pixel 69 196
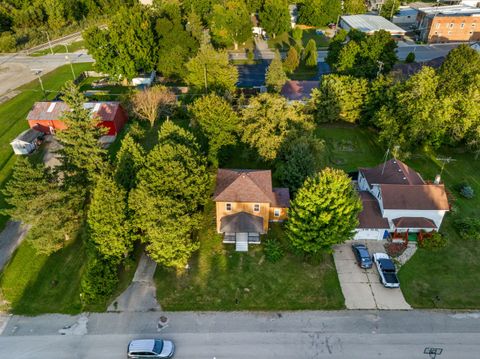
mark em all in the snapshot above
pixel 47 117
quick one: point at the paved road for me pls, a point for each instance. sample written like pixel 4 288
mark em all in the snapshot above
pixel 348 334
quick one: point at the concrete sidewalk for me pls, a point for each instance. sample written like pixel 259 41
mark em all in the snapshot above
pixel 141 294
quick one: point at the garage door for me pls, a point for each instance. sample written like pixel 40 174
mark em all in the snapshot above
pixel 369 234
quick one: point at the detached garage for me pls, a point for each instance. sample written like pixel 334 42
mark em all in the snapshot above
pixel 371 223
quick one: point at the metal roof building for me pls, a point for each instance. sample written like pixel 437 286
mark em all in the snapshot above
pixel 370 24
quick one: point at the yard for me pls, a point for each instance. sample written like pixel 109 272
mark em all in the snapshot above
pixel 446 278
pixel 60 49
pixel 221 279
pixel 284 41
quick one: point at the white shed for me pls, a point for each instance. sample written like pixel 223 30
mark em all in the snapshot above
pixel 26 142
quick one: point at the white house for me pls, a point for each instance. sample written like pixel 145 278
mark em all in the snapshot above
pixel 396 199
pixel 26 142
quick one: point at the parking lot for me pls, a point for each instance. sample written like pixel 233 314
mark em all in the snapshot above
pixel 361 287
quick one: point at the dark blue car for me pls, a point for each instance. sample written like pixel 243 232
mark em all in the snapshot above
pixel 361 254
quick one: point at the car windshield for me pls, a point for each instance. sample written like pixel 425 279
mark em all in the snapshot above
pixel 365 259
pixel 157 348
pixel 363 253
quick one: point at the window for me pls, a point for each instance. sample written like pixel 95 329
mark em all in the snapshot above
pixel 228 206
pixel 451 25
pixel 276 212
pixel 256 207
pixel 462 25
pixel 473 25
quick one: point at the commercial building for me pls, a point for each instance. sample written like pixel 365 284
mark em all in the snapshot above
pixel 369 24
pixel 454 23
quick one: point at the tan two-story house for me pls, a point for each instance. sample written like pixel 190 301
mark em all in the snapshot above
pixel 246 203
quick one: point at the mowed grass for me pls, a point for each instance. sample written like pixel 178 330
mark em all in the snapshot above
pixel 221 279
pixel 60 49
pixel 33 284
pixel 446 278
pixel 13 115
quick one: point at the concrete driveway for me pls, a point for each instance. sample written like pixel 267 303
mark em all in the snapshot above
pixel 361 287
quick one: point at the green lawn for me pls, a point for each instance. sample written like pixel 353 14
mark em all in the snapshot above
pixel 13 117
pixel 60 49
pixel 320 40
pixel 284 41
pixel 34 284
pixel 221 279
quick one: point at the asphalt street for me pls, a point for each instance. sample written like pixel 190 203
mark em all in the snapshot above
pixel 346 334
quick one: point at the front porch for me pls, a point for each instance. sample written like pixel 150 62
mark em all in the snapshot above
pixel 241 240
pixel 241 229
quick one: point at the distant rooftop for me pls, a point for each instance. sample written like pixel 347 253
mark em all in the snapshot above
pixel 459 10
pixel 371 23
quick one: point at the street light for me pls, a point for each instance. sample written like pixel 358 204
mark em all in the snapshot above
pixel 70 62
pixel 49 43
pixel 38 72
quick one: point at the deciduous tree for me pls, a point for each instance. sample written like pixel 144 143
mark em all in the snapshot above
pixel 217 121
pixel 230 23
pixel 275 17
pixel 389 8
pixel 151 103
pixel 319 12
pixel 275 77
pixel 324 212
pixel 269 120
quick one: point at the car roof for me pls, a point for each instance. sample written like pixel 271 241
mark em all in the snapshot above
pixel 141 345
pixel 386 263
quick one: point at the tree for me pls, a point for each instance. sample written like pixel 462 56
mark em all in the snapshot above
pixel 292 60
pixel 319 12
pixel 217 121
pixel 82 157
pixel 335 46
pixel 269 120
pixel 310 54
pixel 389 8
pixel 212 69
pixel 410 58
pixel 129 160
pixel 35 197
pixel 355 7
pixel 195 26
pixel 299 158
pixel 107 219
pixel 151 103
pixel 297 34
pixel 172 187
pixel 380 92
pixel 55 11
pixel 348 58
pixel 324 212
pixel 275 77
pixel 339 97
pixel 230 23
pixel 459 70
pixel 275 17
pixel 127 46
pixel 7 42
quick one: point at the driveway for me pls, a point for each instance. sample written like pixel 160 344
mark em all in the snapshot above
pixel 361 287
pixel 10 239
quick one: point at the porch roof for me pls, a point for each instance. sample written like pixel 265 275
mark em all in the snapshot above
pixel 241 222
pixel 413 222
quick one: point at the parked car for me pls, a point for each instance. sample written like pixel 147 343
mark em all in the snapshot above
pixel 150 348
pixel 386 270
pixel 362 255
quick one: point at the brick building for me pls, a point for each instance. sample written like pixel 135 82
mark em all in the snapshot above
pixel 454 23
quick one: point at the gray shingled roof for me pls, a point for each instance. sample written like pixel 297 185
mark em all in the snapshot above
pixel 241 222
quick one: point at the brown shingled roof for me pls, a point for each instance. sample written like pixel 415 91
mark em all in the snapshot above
pixel 244 186
pixel 298 90
pixel 392 172
pixel 413 222
pixel 370 216
pixel 418 197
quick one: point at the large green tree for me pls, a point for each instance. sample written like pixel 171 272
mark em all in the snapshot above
pixel 324 212
pixel 82 157
pixel 217 121
pixel 275 76
pixel 389 8
pixel 292 60
pixel 275 17
pixel 319 12
pixel 310 53
pixel 269 120
pixel 339 98
pixel 354 7
pixel 36 198
pixel 107 219
pixel 230 23
pixel 211 68
pixel 129 159
pixel 172 187
pixel 128 46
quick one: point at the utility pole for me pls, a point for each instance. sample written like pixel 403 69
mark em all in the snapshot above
pixel 49 43
pixel 393 7
pixel 70 62
pixel 38 73
pixel 380 67
pixel 444 160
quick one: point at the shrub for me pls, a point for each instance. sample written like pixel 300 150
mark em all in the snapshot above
pixel 273 250
pixel 467 191
pixel 7 42
pixel 410 58
pixel 292 60
pixel 468 227
pixel 250 55
pixel 99 280
pixel 436 241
